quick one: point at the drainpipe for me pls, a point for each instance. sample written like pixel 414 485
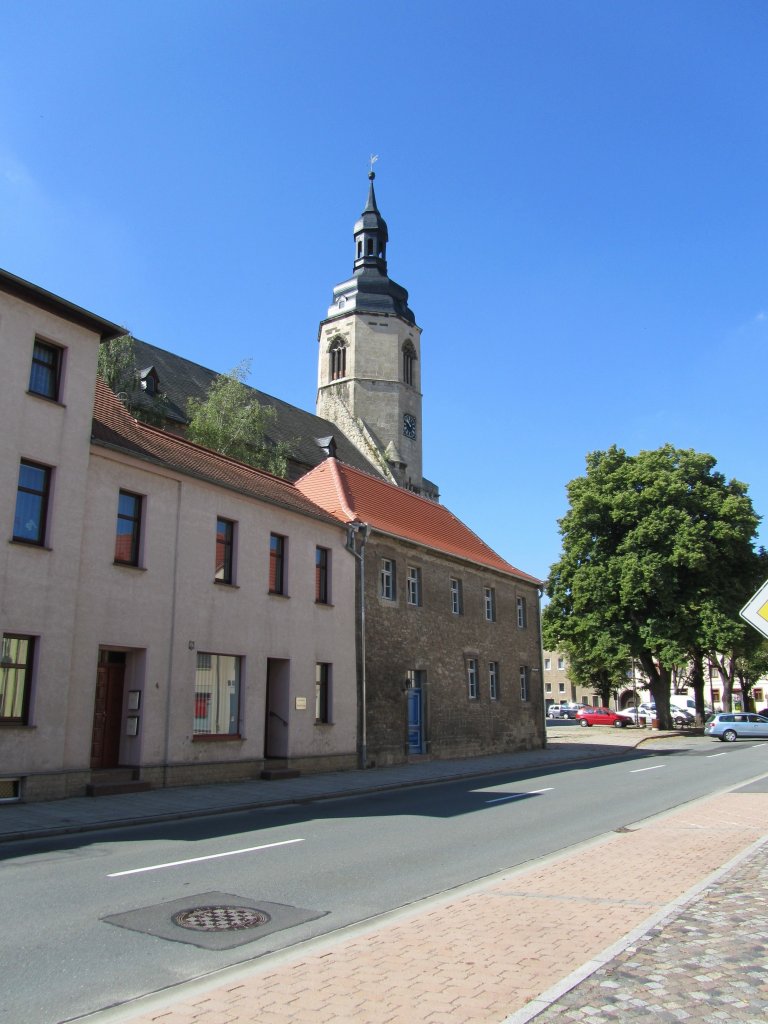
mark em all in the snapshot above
pixel 541 591
pixel 361 531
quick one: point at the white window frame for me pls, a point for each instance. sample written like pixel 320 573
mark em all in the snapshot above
pixel 413 586
pixel 522 613
pixel 524 694
pixel 457 605
pixel 489 594
pixel 473 688
pixel 493 680
pixel 387 579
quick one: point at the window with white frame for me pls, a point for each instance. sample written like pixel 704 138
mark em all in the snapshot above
pixel 217 695
pixel 561 687
pixel 387 579
pixel 523 682
pixel 548 687
pixel 472 682
pixel 457 598
pixel 493 680
pixel 522 613
pixel 489 595
pixel 560 664
pixel 547 664
pixel 414 585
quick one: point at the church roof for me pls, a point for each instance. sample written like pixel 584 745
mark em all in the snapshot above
pixel 180 379
pixel 353 496
pixel 114 427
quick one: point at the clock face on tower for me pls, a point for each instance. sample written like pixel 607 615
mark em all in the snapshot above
pixel 409 426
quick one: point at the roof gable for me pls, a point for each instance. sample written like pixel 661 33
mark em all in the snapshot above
pixel 350 496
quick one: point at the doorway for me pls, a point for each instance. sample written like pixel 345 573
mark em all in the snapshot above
pixel 415 695
pixel 108 710
pixel 276 731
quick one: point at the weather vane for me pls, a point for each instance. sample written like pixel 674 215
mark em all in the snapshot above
pixel 373 161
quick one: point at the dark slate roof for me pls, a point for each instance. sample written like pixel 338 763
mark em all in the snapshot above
pixel 114 427
pixel 181 379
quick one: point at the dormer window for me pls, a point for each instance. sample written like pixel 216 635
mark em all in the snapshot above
pixel 150 382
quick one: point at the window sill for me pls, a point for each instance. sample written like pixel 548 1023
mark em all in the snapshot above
pixel 29 544
pixel 324 604
pixel 277 593
pixel 7 723
pixel 227 584
pixel 129 565
pixel 46 398
pixel 323 725
pixel 217 737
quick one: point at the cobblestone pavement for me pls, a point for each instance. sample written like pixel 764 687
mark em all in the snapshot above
pixel 708 964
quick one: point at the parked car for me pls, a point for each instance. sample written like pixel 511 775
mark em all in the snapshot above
pixel 682 717
pixel 733 725
pixel 602 716
pixel 563 710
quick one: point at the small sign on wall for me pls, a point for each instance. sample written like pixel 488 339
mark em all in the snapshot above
pixel 301 703
pixel 132 725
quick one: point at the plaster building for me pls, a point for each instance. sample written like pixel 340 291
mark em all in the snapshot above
pixel 165 612
pixel 448 631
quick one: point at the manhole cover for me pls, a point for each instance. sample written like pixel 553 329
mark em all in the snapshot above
pixel 220 919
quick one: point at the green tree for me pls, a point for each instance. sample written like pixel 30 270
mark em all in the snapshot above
pixel 118 369
pixel 649 541
pixel 231 421
pixel 117 365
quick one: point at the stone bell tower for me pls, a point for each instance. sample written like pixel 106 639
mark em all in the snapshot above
pixel 369 366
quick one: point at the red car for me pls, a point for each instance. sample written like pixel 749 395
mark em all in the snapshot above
pixel 601 716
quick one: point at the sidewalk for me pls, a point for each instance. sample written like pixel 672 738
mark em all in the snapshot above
pixel 551 941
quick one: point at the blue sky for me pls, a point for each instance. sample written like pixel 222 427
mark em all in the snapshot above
pixel 576 195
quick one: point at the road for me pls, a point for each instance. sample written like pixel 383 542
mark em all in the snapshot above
pixel 344 860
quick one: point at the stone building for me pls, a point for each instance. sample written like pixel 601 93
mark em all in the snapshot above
pixel 448 631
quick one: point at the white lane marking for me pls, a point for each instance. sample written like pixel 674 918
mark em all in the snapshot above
pixel 652 768
pixel 722 754
pixel 196 860
pixel 519 796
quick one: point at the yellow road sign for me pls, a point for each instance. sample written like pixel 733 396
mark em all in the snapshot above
pixel 755 611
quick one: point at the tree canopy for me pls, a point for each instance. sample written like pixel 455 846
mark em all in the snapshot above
pixel 231 421
pixel 658 556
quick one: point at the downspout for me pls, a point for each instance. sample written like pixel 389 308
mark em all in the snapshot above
pixel 541 673
pixel 361 530
pixel 172 638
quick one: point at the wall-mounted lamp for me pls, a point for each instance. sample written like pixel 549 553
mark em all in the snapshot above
pixel 191 645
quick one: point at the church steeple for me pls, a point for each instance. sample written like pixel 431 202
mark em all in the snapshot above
pixel 371 235
pixel 370 288
pixel 369 371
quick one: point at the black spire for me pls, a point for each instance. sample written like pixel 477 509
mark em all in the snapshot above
pixel 370 288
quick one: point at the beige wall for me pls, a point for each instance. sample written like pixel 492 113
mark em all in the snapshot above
pixel 38 584
pixel 171 609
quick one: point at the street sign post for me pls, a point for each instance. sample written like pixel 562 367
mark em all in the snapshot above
pixel 755 611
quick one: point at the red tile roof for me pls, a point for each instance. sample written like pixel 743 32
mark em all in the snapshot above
pixel 351 495
pixel 114 426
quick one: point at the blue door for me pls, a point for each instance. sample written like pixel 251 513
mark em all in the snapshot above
pixel 415 722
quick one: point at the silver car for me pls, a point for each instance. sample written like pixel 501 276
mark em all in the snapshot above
pixel 732 725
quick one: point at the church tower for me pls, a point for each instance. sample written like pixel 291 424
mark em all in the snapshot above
pixel 369 367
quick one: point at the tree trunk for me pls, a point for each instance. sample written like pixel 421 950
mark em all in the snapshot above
pixel 697 684
pixel 659 680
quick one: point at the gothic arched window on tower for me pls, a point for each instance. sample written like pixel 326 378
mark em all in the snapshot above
pixel 409 359
pixel 338 359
